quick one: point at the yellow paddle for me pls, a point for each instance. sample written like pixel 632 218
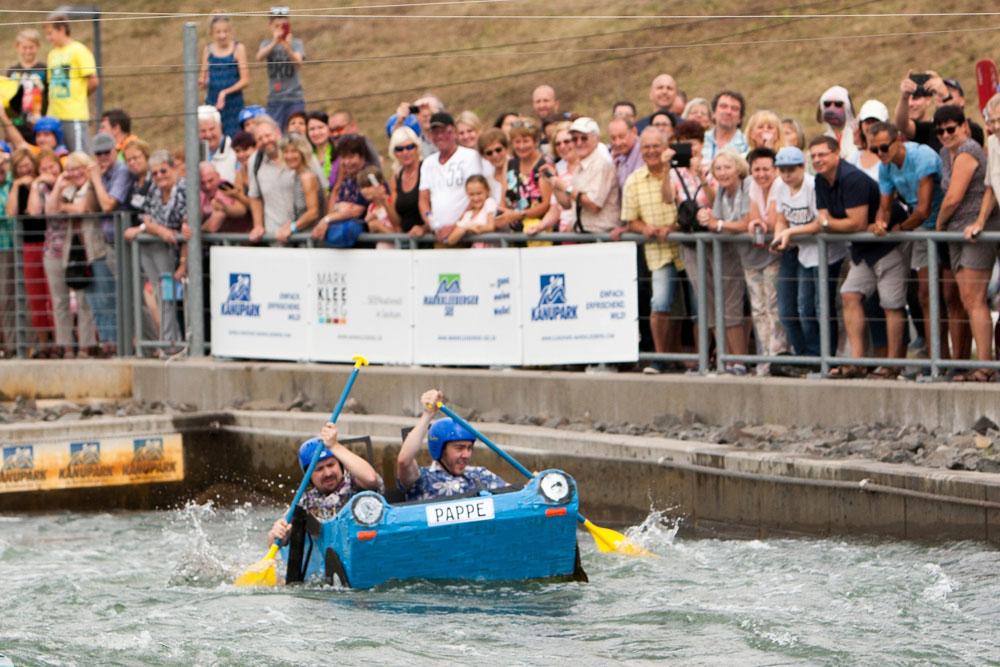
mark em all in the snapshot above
pixel 605 538
pixel 262 572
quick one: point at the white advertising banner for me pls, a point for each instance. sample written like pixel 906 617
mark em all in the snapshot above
pixel 259 297
pixel 466 307
pixel 362 305
pixel 579 304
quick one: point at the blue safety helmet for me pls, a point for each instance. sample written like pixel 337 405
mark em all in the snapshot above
pixel 50 124
pixel 251 111
pixel 308 450
pixel 444 431
pixel 410 122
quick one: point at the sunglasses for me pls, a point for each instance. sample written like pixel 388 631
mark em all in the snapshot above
pixel 882 148
pixel 833 103
pixel 407 147
pixel 581 138
pixel 161 172
pixel 565 142
pixel 493 151
pixel 100 153
pixel 941 131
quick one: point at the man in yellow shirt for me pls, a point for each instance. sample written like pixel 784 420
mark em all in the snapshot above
pixel 72 77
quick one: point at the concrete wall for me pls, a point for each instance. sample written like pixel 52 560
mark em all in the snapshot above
pixel 235 457
pixel 65 379
pixel 605 397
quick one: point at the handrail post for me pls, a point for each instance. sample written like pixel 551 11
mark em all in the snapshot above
pixel 193 298
pixel 823 314
pixel 934 344
pixel 720 306
pixel 702 306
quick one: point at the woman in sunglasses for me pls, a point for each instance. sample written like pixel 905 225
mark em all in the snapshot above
pixel 404 186
pixel 964 165
pixel 493 145
pixel 837 113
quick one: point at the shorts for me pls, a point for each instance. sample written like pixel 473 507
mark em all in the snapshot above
pixel 979 256
pixel 664 281
pixel 918 255
pixel 887 276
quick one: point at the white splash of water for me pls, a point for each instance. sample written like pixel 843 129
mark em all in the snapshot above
pixel 657 530
pixel 201 563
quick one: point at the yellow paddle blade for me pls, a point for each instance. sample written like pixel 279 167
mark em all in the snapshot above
pixel 262 572
pixel 611 540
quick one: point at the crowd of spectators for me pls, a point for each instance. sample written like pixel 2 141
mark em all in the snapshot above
pixel 704 164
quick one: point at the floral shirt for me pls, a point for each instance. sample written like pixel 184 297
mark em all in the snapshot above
pixel 168 213
pixel 324 506
pixel 436 482
pixel 523 190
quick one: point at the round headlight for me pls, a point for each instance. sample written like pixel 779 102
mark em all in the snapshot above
pixel 367 510
pixel 555 487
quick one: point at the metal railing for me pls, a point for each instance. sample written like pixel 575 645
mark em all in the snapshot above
pixel 129 292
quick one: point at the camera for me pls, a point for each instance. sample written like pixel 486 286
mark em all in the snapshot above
pixel 682 154
pixel 920 79
pixel 414 108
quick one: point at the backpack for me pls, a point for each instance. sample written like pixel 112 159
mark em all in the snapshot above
pixel 687 210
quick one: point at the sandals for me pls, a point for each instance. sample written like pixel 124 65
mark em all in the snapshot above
pixel 978 375
pixel 885 373
pixel 847 372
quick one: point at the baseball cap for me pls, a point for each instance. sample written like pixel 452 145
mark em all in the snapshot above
pixel 789 156
pixel 953 83
pixel 585 125
pixel 442 119
pixel 874 109
pixel 103 143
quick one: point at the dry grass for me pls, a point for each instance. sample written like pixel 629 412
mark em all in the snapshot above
pixel 490 65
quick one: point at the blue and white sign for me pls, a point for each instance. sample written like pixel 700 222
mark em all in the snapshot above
pixel 466 308
pixel 259 299
pixel 580 304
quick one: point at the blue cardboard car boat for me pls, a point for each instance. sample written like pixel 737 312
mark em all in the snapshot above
pixel 517 532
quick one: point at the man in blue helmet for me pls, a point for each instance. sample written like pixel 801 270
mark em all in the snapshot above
pixel 450 445
pixel 338 475
pixel 248 114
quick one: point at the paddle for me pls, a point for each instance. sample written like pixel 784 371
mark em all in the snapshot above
pixel 986 82
pixel 262 572
pixel 605 538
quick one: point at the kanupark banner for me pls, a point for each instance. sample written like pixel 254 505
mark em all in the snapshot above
pixel 579 304
pixel 32 466
pixel 362 305
pixel 466 307
pixel 259 301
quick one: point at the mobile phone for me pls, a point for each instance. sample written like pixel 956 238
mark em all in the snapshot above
pixel 225 185
pixel 285 29
pixel 373 180
pixel 920 78
pixel 414 108
pixel 682 154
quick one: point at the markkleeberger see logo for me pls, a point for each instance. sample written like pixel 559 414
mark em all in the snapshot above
pixel 238 300
pixel 449 294
pixel 552 299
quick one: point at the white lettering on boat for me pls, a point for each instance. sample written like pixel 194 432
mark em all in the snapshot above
pixel 461 511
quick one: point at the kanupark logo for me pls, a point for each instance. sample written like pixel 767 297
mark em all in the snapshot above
pixel 449 294
pixel 147 457
pixel 84 453
pixel 331 297
pixel 85 462
pixel 552 299
pixel 238 300
pixel 20 457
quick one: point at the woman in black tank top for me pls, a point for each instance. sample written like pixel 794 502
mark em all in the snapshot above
pixel 404 146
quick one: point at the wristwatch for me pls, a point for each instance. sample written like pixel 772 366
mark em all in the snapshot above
pixel 142 227
pixel 292 227
pixel 569 190
pixel 825 222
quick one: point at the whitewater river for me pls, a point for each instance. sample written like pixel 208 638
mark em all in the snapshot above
pixel 153 588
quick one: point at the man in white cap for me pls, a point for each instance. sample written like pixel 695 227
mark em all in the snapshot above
pixel 594 186
pixel 220 151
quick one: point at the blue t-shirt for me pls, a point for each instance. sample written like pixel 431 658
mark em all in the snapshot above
pixel 920 161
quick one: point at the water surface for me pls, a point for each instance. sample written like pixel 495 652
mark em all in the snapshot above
pixel 153 588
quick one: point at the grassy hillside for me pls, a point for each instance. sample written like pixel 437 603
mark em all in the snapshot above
pixel 369 59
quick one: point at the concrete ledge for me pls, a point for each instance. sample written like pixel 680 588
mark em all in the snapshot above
pixel 602 397
pixel 252 456
pixel 65 379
